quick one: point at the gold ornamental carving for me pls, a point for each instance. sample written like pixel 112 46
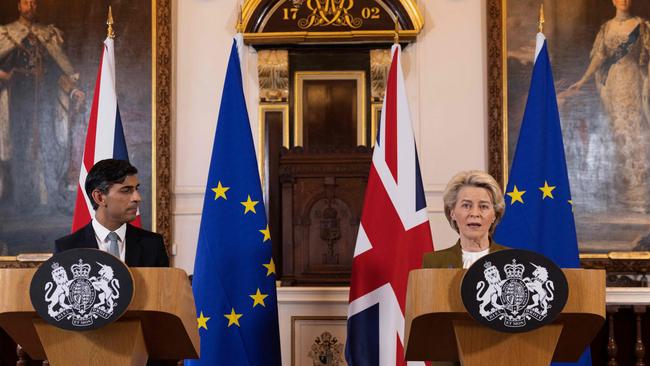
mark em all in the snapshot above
pixel 162 121
pixel 329 21
pixel 273 72
pixel 329 12
pixel 379 65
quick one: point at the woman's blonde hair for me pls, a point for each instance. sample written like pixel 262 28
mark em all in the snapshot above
pixel 473 178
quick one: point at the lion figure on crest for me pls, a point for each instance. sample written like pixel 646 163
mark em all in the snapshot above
pixel 490 295
pixel 57 298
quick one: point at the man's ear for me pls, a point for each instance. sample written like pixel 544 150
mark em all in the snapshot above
pixel 98 197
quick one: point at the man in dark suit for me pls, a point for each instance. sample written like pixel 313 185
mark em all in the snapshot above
pixel 112 188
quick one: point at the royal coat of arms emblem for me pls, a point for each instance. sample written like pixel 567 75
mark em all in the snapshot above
pixel 82 298
pixel 326 351
pixel 520 297
pixel 82 295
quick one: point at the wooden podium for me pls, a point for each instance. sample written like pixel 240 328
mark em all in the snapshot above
pixel 160 323
pixel 439 328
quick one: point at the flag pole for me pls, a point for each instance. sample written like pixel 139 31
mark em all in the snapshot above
pixel 109 22
pixel 396 36
pixel 540 22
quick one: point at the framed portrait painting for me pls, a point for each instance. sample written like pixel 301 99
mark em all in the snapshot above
pixel 49 58
pixel 599 52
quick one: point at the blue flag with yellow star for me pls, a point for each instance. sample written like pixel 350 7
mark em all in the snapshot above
pixel 234 274
pixel 539 214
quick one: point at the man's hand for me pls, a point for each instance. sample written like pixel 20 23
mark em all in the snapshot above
pixel 6 76
pixel 78 98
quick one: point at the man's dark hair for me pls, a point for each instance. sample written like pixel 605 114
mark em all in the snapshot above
pixel 104 174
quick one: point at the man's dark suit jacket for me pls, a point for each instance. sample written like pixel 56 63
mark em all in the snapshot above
pixel 143 248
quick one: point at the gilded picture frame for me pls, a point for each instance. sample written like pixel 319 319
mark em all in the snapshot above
pixel 613 232
pixel 143 37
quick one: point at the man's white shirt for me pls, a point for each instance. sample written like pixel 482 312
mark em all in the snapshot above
pixel 101 235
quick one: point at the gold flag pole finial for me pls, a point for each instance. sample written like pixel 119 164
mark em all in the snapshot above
pixel 396 36
pixel 240 25
pixel 109 23
pixel 540 22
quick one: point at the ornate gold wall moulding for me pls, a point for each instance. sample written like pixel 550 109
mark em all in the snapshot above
pixel 263 109
pixel 273 72
pixel 375 117
pixel 617 255
pixel 617 262
pixel 29 260
pixel 329 21
pixel 379 65
pixel 327 37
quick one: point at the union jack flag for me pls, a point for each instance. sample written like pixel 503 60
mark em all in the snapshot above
pixel 393 235
pixel 104 137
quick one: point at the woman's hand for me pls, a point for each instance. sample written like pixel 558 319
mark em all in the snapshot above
pixel 576 86
pixel 569 92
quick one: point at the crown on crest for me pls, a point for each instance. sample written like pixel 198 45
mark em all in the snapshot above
pixel 489 267
pixel 56 268
pixel 81 270
pixel 514 270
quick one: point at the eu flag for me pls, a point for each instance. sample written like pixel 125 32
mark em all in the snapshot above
pixel 538 213
pixel 234 274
